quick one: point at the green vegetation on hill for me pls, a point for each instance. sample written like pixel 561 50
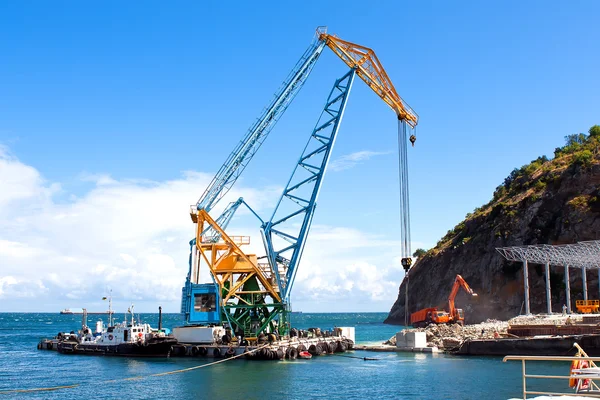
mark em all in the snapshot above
pixel 531 181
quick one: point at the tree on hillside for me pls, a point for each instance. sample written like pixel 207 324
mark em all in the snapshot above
pixel 419 252
pixel 575 139
pixel 595 131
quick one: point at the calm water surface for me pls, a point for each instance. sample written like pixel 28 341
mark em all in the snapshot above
pixel 392 376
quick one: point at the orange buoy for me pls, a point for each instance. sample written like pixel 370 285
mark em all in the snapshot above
pixel 574 365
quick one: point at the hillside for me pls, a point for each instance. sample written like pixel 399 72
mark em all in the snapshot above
pixel 544 202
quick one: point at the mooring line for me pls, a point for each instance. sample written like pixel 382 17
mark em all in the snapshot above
pixel 48 389
pixel 131 378
pixel 360 358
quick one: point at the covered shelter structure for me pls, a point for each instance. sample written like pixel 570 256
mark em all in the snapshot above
pixel 584 255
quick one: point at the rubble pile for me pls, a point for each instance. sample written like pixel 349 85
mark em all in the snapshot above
pixel 449 337
pixel 545 319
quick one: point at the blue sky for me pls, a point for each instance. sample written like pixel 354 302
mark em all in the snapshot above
pixel 142 97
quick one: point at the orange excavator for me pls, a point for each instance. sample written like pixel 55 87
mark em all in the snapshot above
pixel 432 315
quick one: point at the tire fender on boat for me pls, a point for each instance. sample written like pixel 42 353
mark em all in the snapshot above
pixel 288 353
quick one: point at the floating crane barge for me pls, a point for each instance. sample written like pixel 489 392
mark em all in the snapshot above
pixel 250 295
pixel 288 348
pixel 246 307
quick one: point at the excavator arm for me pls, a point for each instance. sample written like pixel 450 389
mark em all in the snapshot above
pixel 458 283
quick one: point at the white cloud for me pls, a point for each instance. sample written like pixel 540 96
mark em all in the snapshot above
pixel 19 181
pixel 132 236
pixel 16 249
pixel 98 179
pixel 12 287
pixel 348 269
pixel 350 160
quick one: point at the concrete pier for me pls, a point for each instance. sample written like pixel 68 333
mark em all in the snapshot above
pixel 538 346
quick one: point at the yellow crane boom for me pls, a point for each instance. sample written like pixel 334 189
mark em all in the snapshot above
pixel 370 70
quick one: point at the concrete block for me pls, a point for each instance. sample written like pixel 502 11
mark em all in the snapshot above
pixel 198 334
pixel 411 339
pixel 348 333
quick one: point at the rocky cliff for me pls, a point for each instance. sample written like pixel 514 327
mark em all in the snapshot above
pixel 545 202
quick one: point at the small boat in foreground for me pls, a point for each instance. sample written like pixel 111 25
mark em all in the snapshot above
pixel 127 338
pixel 305 355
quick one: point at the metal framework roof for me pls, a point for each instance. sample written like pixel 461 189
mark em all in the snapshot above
pixel 582 254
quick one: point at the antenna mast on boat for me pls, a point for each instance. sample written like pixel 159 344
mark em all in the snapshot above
pixel 110 312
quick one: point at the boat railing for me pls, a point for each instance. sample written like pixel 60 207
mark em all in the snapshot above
pixel 593 374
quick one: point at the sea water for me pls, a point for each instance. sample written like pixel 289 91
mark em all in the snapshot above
pixel 390 376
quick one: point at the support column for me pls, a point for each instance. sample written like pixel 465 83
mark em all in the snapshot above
pixel 548 294
pixel 194 274
pixel 567 289
pixel 584 283
pixel 526 286
pixel 197 264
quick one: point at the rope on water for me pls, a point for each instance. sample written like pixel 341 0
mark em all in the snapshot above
pixel 48 389
pixel 131 378
pixel 360 358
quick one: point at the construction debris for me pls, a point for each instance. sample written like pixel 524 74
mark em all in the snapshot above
pixel 545 319
pixel 451 336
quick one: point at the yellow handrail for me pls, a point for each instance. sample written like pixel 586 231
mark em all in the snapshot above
pixel 581 355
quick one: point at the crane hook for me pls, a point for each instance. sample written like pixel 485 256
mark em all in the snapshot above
pixel 413 139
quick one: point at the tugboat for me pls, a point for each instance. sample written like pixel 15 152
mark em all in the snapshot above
pixel 127 338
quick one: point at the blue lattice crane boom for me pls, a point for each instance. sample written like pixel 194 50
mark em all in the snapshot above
pixel 284 235
pixel 284 241
pixel 258 132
